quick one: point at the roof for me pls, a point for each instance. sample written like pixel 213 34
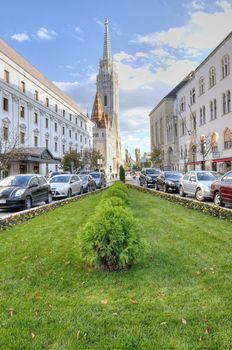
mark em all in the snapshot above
pixel 13 55
pixel 39 154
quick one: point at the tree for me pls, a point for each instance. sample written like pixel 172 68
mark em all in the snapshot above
pixel 91 158
pixel 138 158
pixel 9 150
pixel 121 174
pixel 71 161
pixel 205 146
pixel 127 163
pixel 156 156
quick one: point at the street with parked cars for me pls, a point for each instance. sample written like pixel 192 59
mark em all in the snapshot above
pixel 24 191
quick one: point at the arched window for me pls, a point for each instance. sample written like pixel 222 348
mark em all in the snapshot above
pixel 214 141
pixel 228 101
pixel 225 64
pixel 212 76
pixel 227 138
pixel 201 86
pixel 224 103
pixel 211 110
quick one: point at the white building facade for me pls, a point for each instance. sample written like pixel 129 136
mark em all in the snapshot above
pixel 45 121
pixel 203 112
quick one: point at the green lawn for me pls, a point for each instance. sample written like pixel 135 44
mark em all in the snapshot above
pixel 178 297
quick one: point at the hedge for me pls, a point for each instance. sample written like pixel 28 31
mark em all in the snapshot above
pixel 212 210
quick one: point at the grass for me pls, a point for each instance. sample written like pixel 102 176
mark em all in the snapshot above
pixel 178 297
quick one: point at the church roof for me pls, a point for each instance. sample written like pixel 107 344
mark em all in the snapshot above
pixel 99 117
pixel 26 66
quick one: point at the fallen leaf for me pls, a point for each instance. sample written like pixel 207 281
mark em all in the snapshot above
pixel 78 334
pixel 25 257
pixel 11 310
pixel 207 331
pixel 33 335
pixel 134 301
pixel 115 314
pixel 104 301
pixel 183 321
pixel 163 323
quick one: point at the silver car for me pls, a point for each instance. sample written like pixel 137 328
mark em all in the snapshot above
pixel 65 185
pixel 197 183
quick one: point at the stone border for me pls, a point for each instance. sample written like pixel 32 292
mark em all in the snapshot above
pixel 20 217
pixel 212 210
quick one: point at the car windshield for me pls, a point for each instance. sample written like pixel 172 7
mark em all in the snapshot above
pixel 20 181
pixel 175 176
pixel 62 179
pixel 152 171
pixel 207 176
pixel 95 175
pixel 84 177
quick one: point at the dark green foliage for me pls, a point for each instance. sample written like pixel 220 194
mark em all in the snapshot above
pixel 121 174
pixel 110 239
pixel 112 201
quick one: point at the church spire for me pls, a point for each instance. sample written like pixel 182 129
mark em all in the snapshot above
pixel 107 49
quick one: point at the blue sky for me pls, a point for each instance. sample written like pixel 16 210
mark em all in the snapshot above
pixel 154 43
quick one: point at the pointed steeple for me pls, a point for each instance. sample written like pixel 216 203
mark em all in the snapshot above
pixel 107 50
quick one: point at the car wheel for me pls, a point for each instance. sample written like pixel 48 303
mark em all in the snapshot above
pixel 140 183
pixel 27 203
pixel 181 191
pixel 156 187
pixel 199 195
pixel 69 193
pixel 81 190
pixel 217 199
pixel 49 198
pixel 94 188
pixel 165 188
pixel 147 184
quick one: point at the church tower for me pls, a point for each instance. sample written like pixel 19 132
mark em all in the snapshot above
pixel 107 90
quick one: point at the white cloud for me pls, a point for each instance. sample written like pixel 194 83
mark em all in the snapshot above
pixel 197 5
pixel 20 37
pixel 160 52
pixel 46 34
pixel 68 66
pixel 225 5
pixel 100 23
pixel 123 56
pixel 77 30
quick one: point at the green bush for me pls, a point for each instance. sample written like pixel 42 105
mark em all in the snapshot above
pixel 121 186
pixel 112 201
pixel 121 173
pixel 110 239
pixel 116 192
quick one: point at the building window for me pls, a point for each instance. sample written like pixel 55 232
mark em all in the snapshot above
pixel 56 147
pixel 224 103
pixel 192 96
pixel 70 148
pixel 22 111
pixel 70 133
pixel 23 86
pixel 63 113
pixel 212 76
pixel 228 101
pixel 22 137
pixel 5 104
pixel 36 95
pixel 227 139
pixel 36 118
pixel 6 76
pixel 75 136
pixel 194 121
pixel 76 120
pixel 225 64
pixel 56 108
pixel 36 141
pixel 47 102
pixel 203 112
pixel 63 130
pixel 85 140
pixel 5 133
pixel 201 86
pixel 182 104
pixel 202 115
pixel 105 100
pixel 55 125
pixel 81 138
pixel 215 108
pixel 211 110
pixel 81 124
pixel 46 123
pixel 63 149
pixel 70 117
pixel 46 143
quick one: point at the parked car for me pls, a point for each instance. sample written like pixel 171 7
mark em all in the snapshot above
pixel 168 180
pixel 197 183
pixel 148 176
pixel 89 183
pixel 99 178
pixel 221 190
pixel 24 191
pixel 66 185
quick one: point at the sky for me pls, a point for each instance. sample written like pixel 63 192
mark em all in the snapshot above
pixel 155 44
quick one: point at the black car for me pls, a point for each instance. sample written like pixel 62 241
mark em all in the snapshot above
pixel 24 191
pixel 148 176
pixel 99 178
pixel 89 183
pixel 168 180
